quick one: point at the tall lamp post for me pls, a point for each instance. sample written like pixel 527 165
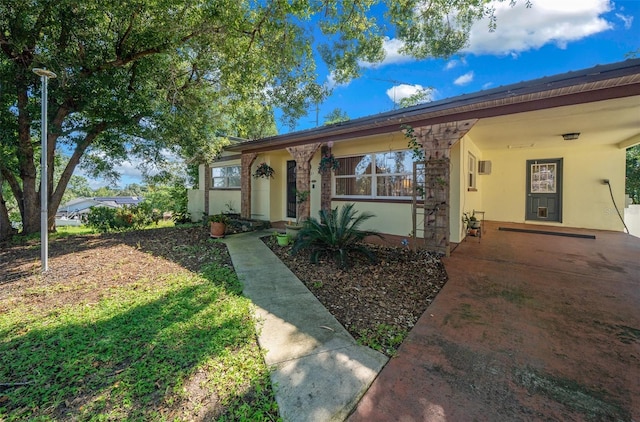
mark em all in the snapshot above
pixel 44 212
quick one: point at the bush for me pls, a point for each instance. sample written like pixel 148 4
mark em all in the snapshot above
pixel 105 219
pixel 102 219
pixel 336 235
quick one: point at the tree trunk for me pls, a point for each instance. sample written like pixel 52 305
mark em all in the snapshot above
pixel 6 230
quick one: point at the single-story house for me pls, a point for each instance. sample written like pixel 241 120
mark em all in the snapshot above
pixel 79 207
pixel 548 151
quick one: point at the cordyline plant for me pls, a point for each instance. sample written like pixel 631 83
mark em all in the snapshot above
pixel 337 234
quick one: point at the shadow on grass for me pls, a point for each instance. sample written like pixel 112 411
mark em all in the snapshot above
pixel 126 358
pixel 23 260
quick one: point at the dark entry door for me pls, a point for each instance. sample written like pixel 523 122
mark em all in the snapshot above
pixel 544 190
pixel 291 189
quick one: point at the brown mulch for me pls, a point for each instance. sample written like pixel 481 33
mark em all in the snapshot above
pixel 383 299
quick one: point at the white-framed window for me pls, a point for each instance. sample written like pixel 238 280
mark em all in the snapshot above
pixel 473 172
pixel 543 178
pixel 226 177
pixel 375 175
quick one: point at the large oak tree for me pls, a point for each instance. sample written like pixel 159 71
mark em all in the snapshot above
pixel 137 77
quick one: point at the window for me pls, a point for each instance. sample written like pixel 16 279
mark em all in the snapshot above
pixel 227 177
pixel 377 175
pixel 472 172
pixel 543 178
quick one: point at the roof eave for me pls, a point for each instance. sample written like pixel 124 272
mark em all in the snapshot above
pixel 598 83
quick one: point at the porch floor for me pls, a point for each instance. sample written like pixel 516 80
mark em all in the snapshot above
pixel 528 327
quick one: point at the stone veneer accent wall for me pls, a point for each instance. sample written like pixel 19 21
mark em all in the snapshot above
pixel 437 141
pixel 325 183
pixel 303 154
pixel 246 161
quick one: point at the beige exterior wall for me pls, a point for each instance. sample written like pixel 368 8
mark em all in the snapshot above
pixel 586 201
pixel 455 194
pixel 218 198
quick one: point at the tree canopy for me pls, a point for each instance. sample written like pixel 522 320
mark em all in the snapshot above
pixel 137 78
pixel 633 174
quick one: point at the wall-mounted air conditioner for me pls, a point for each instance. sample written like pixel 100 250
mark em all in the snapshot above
pixel 484 167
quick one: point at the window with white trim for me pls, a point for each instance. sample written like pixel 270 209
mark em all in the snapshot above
pixel 473 172
pixel 227 177
pixel 376 175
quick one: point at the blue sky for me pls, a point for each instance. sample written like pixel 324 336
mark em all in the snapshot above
pixel 552 37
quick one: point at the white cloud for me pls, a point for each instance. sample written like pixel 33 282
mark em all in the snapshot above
pixel 546 22
pixel 452 64
pixel 399 92
pixel 626 19
pixel 464 79
pixel 487 85
pixel 331 81
pixel 391 47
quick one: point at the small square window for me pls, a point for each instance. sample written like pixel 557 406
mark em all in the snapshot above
pixel 472 174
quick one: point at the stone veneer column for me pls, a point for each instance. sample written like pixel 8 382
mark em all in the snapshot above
pixel 303 154
pixel 246 161
pixel 437 141
pixel 325 183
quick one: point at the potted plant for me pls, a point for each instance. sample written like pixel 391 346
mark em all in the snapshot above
pixel 264 170
pixel 218 225
pixel 472 223
pixel 328 163
pixel 282 238
pixel 292 229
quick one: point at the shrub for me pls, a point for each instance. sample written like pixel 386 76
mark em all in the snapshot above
pixel 102 219
pixel 336 235
pixel 105 219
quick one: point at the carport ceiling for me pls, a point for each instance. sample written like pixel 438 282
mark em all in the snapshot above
pixel 602 122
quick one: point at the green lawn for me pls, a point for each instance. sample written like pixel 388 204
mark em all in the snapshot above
pixel 140 351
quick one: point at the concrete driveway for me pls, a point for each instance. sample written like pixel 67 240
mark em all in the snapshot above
pixel 528 327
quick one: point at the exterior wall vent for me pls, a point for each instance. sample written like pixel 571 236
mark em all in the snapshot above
pixel 484 167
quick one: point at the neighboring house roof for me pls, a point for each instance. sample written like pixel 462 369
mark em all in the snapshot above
pixel 603 82
pixel 80 204
pixel 120 200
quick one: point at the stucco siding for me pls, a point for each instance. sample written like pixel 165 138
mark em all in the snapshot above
pixel 586 200
pixel 389 217
pixel 222 201
pixel 195 204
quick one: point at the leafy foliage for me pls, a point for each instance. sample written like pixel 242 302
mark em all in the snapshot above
pixel 336 115
pixel 106 219
pixel 633 173
pixel 336 235
pixel 138 78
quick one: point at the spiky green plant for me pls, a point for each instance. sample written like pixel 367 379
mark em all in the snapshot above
pixel 337 234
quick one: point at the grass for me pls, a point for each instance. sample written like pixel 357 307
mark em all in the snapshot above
pixel 384 338
pixel 66 231
pixel 138 353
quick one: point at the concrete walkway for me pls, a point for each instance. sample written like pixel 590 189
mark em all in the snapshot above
pixel 319 372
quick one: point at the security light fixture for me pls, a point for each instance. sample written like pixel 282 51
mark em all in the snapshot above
pixel 571 136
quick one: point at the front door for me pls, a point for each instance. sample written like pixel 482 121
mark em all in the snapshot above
pixel 291 189
pixel 544 190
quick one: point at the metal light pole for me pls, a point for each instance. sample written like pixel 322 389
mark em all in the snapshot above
pixel 44 213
